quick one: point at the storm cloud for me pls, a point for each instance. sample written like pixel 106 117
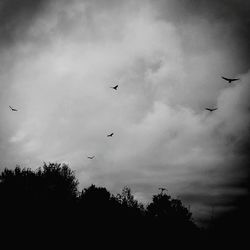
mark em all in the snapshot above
pixel 59 59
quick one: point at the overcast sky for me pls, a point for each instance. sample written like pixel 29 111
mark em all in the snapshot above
pixel 58 60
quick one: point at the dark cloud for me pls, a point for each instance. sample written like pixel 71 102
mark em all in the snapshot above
pixel 228 20
pixel 16 16
pixel 217 200
pixel 242 145
pixel 216 10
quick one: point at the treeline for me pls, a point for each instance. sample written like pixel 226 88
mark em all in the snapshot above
pixel 46 202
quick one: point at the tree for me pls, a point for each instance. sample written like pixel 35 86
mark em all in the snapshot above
pixel 171 217
pixel 47 199
pixel 58 182
pixel 166 208
pixel 95 199
pixel 127 199
pixel 52 184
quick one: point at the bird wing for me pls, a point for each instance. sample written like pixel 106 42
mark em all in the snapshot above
pixel 235 79
pixel 12 109
pixel 225 78
pixel 230 79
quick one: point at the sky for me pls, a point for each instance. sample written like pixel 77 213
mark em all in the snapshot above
pixel 58 60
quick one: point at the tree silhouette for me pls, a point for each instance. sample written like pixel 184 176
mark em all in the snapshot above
pixel 54 183
pixel 170 217
pixel 58 182
pixel 165 208
pixel 131 208
pixel 35 199
pixel 97 202
pixel 127 199
pixel 47 200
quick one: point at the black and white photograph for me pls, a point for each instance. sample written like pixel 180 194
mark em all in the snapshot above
pixel 124 123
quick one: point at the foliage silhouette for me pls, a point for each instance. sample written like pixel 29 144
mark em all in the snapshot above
pixel 47 200
pixel 169 210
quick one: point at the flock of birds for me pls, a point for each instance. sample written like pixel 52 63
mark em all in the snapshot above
pixel 108 135
pixel 229 80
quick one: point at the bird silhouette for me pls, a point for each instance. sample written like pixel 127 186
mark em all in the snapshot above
pixel 110 135
pixel 115 87
pixel 13 109
pixel 229 80
pixel 211 110
pixel 91 157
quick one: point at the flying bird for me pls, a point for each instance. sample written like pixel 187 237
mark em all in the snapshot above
pixel 229 80
pixel 91 157
pixel 115 87
pixel 110 135
pixel 211 110
pixel 12 109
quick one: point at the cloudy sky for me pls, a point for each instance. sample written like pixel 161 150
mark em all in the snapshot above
pixel 58 60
